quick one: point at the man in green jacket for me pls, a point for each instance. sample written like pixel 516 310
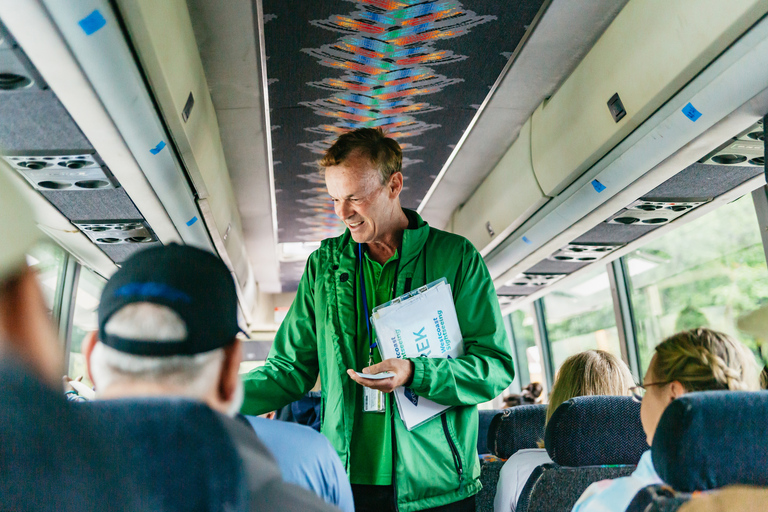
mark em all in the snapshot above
pixel 387 251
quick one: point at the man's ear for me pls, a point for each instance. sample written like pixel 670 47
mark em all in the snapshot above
pixel 233 356
pixel 89 342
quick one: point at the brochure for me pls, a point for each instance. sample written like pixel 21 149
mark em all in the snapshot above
pixel 421 323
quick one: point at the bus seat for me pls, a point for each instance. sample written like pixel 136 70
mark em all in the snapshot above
pixel 589 438
pixel 510 430
pixel 711 439
pixel 516 428
pixel 180 451
pixel 707 440
pixel 51 455
pixel 484 420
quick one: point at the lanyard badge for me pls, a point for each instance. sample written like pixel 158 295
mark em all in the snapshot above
pixel 373 399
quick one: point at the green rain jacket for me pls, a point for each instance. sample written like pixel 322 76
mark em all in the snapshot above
pixel 436 463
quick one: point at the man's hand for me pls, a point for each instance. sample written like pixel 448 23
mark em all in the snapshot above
pixel 402 369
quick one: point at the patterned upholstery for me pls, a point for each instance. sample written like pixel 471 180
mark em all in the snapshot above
pixel 179 451
pixel 489 476
pixel 589 438
pixel 552 488
pixel 484 419
pixel 595 430
pixel 515 429
pixel 712 439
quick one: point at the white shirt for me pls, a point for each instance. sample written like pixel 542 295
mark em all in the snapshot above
pixel 513 476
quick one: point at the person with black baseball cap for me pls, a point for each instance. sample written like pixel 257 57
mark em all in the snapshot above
pixel 168 327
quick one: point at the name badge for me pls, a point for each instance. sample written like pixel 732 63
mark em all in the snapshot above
pixel 373 400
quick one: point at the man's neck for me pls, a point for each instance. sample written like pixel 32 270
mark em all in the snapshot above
pixel 149 389
pixel 382 250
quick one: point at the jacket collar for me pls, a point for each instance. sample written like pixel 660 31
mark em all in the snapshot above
pixel 414 238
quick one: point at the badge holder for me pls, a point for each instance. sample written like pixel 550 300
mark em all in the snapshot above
pixel 373 399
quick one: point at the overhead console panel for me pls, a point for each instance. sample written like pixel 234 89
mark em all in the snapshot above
pixel 507 196
pixel 624 79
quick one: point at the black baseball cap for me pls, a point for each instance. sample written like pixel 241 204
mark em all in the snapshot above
pixel 193 283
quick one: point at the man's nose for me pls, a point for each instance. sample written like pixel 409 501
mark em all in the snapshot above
pixel 343 209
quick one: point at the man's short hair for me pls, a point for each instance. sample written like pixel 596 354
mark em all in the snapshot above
pixel 382 151
pixel 194 374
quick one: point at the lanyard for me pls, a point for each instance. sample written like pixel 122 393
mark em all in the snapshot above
pixel 371 343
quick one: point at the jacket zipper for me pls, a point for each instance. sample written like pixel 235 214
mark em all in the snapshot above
pixel 454 452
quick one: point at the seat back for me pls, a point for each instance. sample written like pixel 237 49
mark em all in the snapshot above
pixel 711 439
pixel 589 438
pixel 179 450
pixel 515 429
pixel 52 456
pixel 484 420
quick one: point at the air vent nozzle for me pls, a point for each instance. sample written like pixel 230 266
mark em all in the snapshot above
pixel 583 253
pixel 112 232
pixel 652 213
pixel 744 152
pixel 534 280
pixel 62 172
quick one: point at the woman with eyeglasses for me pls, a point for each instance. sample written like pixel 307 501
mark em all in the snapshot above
pixel 696 360
pixel 593 372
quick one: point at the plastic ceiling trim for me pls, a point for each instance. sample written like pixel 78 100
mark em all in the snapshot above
pixel 734 78
pixel 94 36
pixel 510 103
pixel 50 55
pixel 566 282
pixel 262 55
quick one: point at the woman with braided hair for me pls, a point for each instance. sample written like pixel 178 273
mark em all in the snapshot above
pixel 696 360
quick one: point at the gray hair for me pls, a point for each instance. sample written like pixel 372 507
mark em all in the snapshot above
pixel 192 376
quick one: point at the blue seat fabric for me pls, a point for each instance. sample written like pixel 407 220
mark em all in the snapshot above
pixel 484 419
pixel 596 430
pixel 179 451
pixel 711 439
pixel 589 438
pixel 516 428
pixel 52 456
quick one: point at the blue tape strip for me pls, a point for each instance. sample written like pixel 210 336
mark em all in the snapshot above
pixel 691 113
pixel 525 239
pixel 192 220
pixel 157 148
pixel 599 187
pixel 92 23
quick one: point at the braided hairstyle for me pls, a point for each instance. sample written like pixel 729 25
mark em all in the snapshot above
pixel 702 359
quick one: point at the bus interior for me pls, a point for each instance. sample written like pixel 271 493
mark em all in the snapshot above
pixel 605 157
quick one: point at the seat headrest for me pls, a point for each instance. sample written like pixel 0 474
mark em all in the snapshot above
pixel 596 430
pixel 484 419
pixel 711 439
pixel 516 428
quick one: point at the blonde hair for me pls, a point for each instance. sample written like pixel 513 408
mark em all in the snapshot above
pixel 594 372
pixel 702 359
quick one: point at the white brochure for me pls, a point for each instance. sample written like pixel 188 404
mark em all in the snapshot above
pixel 421 323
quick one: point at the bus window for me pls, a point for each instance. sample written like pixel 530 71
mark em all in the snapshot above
pixel 529 360
pixel 89 288
pixel 581 317
pixel 49 261
pixel 707 273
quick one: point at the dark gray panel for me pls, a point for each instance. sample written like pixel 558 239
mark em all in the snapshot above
pixel 121 252
pixel 94 205
pixel 256 350
pixel 701 181
pixel 556 267
pixel 517 291
pixel 605 233
pixel 35 120
pixel 290 275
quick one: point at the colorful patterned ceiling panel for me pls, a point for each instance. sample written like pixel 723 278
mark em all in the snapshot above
pixel 418 69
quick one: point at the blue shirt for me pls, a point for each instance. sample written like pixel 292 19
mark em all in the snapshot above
pixel 616 495
pixel 307 459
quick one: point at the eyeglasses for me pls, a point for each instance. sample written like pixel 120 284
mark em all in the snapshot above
pixel 638 392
